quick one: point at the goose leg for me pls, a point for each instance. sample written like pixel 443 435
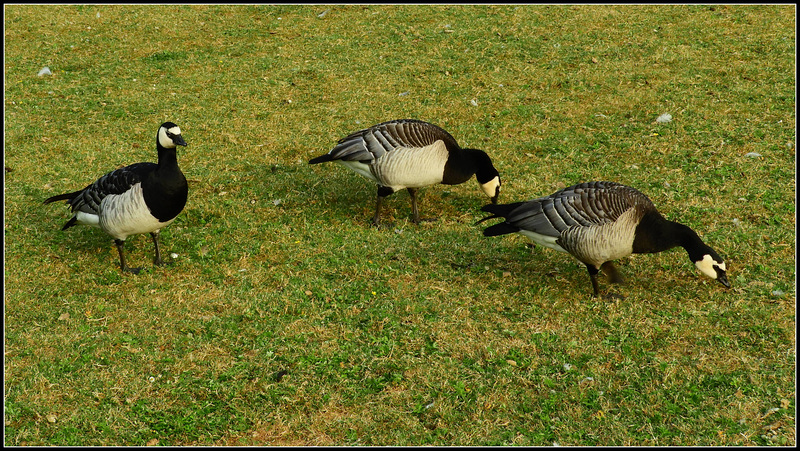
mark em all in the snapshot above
pixel 614 275
pixel 120 244
pixel 383 192
pixel 414 210
pixel 376 216
pixel 157 259
pixel 593 276
pixel 611 271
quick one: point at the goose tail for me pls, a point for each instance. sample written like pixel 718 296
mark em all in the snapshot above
pixel 499 211
pixel 65 196
pixel 321 159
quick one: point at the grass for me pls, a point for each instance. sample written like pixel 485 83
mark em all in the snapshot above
pixel 287 320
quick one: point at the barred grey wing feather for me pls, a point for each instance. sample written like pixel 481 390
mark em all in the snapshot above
pixel 532 217
pixel 381 142
pixel 114 182
pixel 414 133
pixel 393 136
pixel 354 149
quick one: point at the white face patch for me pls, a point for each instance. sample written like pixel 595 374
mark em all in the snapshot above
pixel 165 140
pixel 707 266
pixel 491 187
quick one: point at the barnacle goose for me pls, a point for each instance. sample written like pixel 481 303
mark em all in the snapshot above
pixel 140 198
pixel 410 154
pixel 598 222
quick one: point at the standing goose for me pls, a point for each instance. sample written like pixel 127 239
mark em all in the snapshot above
pixel 410 154
pixel 140 198
pixel 598 222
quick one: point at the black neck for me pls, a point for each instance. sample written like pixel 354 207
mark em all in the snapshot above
pixel 166 190
pixel 167 159
pixel 655 234
pixel 463 163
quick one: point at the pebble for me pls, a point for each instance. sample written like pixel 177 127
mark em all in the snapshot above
pixel 664 118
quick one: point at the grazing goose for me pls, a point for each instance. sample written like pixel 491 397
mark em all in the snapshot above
pixel 598 222
pixel 140 198
pixel 410 154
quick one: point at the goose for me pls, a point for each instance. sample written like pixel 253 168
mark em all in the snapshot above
pixel 598 222
pixel 140 198
pixel 410 154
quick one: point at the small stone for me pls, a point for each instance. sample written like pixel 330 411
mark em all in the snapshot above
pixel 752 155
pixel 664 118
pixel 45 71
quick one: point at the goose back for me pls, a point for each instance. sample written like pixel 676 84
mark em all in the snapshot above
pixel 409 153
pixel 598 222
pixel 594 221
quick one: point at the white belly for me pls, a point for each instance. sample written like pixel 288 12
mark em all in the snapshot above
pixel 598 244
pixel 122 215
pixel 411 167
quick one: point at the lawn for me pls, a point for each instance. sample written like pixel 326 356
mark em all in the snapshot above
pixel 286 319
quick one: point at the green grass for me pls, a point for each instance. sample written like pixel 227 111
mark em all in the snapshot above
pixel 287 320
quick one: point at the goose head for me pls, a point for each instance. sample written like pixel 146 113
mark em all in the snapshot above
pixel 712 266
pixel 169 136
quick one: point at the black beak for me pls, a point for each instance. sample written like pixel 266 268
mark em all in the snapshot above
pixel 178 140
pixel 723 279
